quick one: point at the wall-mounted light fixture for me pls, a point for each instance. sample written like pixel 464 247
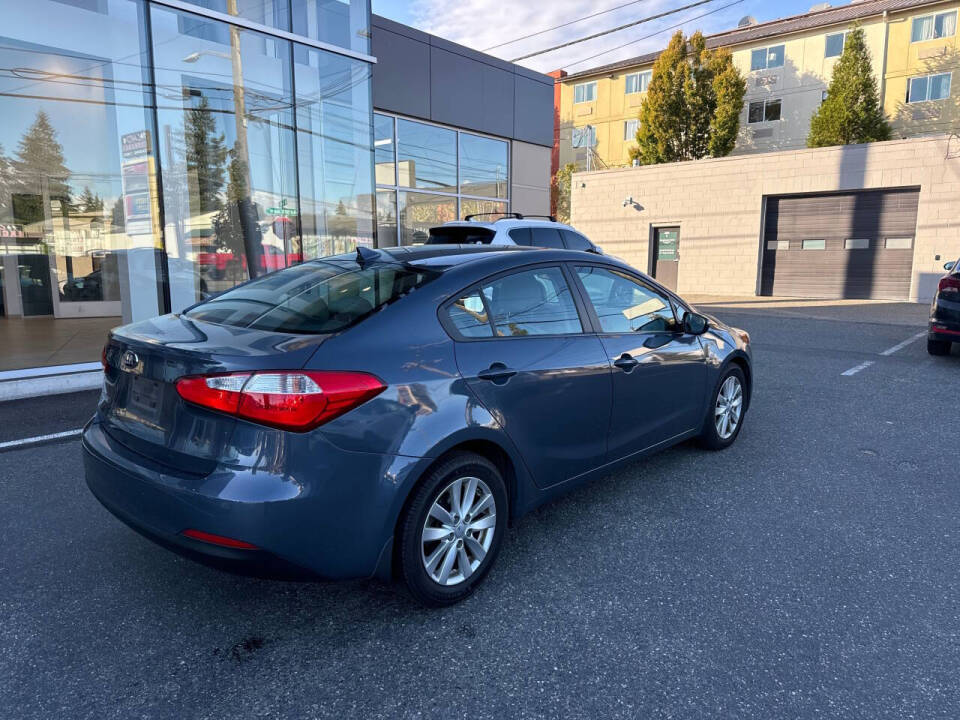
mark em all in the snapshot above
pixel 630 202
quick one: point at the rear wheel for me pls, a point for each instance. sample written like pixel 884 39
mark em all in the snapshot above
pixel 725 413
pixel 451 532
pixel 938 347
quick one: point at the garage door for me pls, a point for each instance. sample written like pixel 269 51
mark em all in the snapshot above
pixel 849 245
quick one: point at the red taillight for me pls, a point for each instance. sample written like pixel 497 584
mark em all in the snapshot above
pixel 295 400
pixel 103 359
pixel 218 540
pixel 950 284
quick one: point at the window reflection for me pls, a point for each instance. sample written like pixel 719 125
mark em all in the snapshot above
pixel 345 23
pixel 334 141
pixel 224 106
pixel 427 156
pixel 78 230
pixel 483 166
pixel 272 13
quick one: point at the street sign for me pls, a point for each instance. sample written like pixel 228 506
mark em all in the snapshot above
pixel 282 211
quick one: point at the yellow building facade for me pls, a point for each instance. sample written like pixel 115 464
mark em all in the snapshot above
pixel 787 65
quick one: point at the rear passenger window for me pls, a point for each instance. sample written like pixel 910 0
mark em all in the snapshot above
pixel 533 302
pixel 469 316
pixel 576 241
pixel 521 236
pixel 546 237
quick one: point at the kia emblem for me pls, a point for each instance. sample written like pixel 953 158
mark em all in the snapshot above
pixel 129 360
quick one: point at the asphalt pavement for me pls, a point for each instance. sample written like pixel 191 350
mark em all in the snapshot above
pixel 810 571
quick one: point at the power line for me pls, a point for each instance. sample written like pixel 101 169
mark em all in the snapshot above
pixel 561 25
pixel 613 30
pixel 654 34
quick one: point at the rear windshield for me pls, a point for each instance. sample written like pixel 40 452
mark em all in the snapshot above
pixel 459 235
pixel 323 296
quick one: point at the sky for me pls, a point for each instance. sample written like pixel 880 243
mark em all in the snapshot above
pixel 481 24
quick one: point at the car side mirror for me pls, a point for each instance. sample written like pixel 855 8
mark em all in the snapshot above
pixel 695 324
pixel 949 266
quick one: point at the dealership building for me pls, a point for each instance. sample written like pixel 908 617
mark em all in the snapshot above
pixel 155 152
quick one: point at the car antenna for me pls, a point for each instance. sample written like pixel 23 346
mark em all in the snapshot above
pixel 366 255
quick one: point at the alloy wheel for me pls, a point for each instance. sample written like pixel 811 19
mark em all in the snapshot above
pixel 458 531
pixel 729 408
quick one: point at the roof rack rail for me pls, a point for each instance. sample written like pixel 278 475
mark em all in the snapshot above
pixel 516 216
pixel 551 218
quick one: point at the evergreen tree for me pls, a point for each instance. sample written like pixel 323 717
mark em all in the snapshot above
pixel 851 113
pixel 40 159
pixel 206 157
pixel 88 201
pixel 560 192
pixel 6 185
pixel 692 108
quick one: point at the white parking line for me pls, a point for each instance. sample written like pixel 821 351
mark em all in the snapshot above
pixel 901 346
pixel 858 368
pixel 26 442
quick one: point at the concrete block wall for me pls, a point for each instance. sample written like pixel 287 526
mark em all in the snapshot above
pixel 719 204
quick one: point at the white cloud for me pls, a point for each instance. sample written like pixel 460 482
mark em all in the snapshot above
pixel 480 24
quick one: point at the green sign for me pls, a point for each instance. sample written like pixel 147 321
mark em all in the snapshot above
pixel 667 245
pixel 282 211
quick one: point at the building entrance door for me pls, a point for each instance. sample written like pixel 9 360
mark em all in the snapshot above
pixel 666 255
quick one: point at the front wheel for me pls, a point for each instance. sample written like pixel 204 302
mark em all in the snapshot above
pixel 938 347
pixel 725 413
pixel 450 533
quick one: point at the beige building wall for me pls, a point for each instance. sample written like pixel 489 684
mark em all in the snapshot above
pixel 799 84
pixel 718 205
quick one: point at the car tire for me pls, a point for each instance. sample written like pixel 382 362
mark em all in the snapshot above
pixel 714 435
pixel 423 558
pixel 938 347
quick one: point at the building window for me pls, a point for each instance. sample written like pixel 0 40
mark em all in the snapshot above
pixel 764 111
pixel 856 244
pixel 767 57
pixel 638 82
pixel 585 92
pixel 901 243
pixel 814 245
pixel 778 244
pixel 835 44
pixel 630 129
pixel 929 87
pixel 931 27
pixel 428 175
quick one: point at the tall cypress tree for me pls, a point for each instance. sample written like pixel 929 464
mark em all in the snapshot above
pixel 692 108
pixel 6 184
pixel 851 113
pixel 206 157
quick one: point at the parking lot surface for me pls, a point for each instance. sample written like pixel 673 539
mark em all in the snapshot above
pixel 812 570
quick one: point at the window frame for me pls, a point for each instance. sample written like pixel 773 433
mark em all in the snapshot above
pixel 927 79
pixel 638 74
pixel 636 126
pixel 766 57
pixel 803 244
pixel 672 300
pixel 934 15
pixel 843 44
pixel 857 243
pixel 765 101
pixel 586 321
pixel 585 84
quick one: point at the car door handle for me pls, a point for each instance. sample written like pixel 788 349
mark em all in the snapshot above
pixel 626 362
pixel 497 373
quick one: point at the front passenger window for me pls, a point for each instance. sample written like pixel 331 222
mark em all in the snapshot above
pixel 625 305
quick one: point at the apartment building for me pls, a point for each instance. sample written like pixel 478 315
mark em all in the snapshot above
pixel 787 64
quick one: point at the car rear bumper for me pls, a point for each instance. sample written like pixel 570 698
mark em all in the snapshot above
pixel 336 524
pixel 945 320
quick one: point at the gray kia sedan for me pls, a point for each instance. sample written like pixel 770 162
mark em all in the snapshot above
pixel 389 412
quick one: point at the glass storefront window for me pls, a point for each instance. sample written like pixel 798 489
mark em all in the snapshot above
pixel 427 156
pixel 344 23
pixel 472 206
pixel 483 166
pixel 421 211
pixel 385 150
pixel 334 140
pixel 225 118
pixel 79 231
pixel 386 218
pixel 272 13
